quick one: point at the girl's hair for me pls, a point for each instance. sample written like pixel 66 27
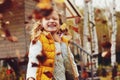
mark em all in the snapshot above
pixel 37 29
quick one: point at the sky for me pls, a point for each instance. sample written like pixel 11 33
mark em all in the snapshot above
pixel 100 3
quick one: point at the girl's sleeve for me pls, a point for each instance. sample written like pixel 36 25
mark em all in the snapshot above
pixel 69 60
pixel 34 50
pixel 74 66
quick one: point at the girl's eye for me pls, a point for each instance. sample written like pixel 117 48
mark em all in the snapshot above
pixel 47 18
pixel 55 18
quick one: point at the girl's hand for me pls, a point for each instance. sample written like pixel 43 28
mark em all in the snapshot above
pixel 30 78
pixel 76 78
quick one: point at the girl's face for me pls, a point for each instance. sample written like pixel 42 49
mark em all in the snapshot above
pixel 51 23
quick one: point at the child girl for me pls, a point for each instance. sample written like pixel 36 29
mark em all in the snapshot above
pixel 49 57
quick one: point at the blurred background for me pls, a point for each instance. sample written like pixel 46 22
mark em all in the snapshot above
pixel 93 25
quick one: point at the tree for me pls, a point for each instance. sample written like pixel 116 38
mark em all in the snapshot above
pixel 113 35
pixel 94 39
pixel 86 34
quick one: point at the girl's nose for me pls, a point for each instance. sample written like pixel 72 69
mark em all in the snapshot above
pixel 51 20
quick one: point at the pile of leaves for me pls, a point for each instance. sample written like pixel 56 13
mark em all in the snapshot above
pixel 7 74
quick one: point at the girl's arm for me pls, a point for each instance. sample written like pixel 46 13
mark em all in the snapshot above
pixel 69 60
pixel 34 50
pixel 74 66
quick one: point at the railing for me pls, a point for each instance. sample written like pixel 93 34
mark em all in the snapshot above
pixel 85 52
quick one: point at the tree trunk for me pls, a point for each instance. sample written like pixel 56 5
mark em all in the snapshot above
pixel 86 35
pixel 113 35
pixel 94 38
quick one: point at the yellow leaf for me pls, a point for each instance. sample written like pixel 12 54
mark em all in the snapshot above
pixel 59 1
